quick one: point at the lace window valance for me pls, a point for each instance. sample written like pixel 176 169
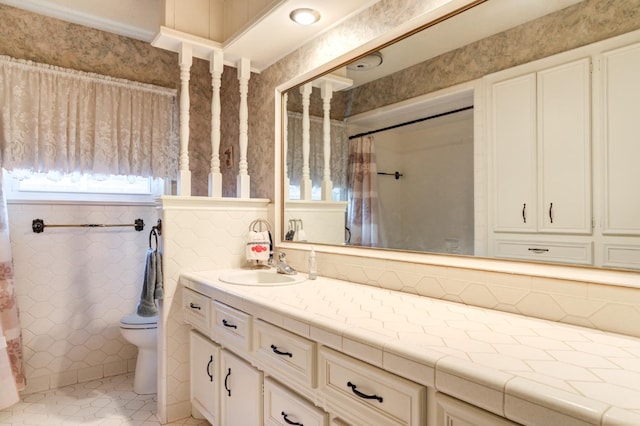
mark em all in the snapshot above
pixel 57 119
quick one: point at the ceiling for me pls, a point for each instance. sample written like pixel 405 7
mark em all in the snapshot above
pixel 491 17
pixel 264 41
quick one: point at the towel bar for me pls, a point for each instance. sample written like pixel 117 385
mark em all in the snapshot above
pixel 398 175
pixel 38 225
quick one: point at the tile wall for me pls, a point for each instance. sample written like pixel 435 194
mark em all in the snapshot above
pixel 583 303
pixel 73 286
pixel 199 234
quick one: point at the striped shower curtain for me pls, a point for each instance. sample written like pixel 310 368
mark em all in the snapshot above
pixel 362 192
pixel 12 378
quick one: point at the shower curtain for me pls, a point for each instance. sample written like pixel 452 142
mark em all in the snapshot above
pixel 12 378
pixel 362 210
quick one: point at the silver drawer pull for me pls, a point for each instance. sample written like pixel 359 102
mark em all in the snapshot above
pixel 538 250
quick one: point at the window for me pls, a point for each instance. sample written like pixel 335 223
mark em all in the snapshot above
pixel 54 186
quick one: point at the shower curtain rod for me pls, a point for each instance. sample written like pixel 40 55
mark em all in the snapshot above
pixel 417 120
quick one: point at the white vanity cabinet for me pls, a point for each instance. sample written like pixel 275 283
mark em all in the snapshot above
pixel 232 328
pixel 453 412
pixel 205 377
pixel 364 395
pixel 286 356
pixel 197 311
pixel 241 393
pixel 283 407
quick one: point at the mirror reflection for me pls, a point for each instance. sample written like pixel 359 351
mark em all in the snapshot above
pixel 400 149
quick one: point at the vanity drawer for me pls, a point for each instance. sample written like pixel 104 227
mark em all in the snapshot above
pixel 576 253
pixel 283 407
pixel 285 355
pixel 362 394
pixel 232 328
pixel 621 255
pixel 197 310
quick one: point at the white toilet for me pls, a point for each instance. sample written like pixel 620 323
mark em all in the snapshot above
pixel 143 332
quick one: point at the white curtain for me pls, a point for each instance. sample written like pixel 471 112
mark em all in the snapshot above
pixel 339 152
pixel 12 377
pixel 58 119
pixel 362 210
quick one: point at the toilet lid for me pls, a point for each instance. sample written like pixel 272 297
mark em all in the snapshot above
pixel 136 321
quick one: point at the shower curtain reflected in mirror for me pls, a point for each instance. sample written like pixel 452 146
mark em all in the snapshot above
pixel 362 192
pixel 12 377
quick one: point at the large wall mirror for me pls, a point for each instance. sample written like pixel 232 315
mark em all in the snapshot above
pixel 391 150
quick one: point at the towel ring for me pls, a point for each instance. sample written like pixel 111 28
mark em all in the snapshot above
pixel 257 225
pixel 155 234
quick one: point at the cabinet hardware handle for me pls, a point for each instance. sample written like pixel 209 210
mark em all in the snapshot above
pixel 551 212
pixel 275 350
pixel 538 250
pixel 285 416
pixel 194 306
pixel 208 367
pixel 524 213
pixel 228 324
pixel 225 382
pixel 363 395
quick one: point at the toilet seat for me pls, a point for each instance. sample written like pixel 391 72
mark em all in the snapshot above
pixel 135 321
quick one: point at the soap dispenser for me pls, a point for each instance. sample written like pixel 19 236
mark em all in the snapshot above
pixel 313 273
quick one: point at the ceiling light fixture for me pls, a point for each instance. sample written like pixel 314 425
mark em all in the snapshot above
pixel 305 16
pixel 366 63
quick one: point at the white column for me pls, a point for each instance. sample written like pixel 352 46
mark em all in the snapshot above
pixel 216 66
pixel 305 181
pixel 243 181
pixel 184 175
pixel 285 147
pixel 326 91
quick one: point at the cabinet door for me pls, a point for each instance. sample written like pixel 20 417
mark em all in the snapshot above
pixel 205 380
pixel 621 69
pixel 513 116
pixel 564 143
pixel 241 392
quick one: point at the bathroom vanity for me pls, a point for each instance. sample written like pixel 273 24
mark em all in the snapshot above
pixel 332 352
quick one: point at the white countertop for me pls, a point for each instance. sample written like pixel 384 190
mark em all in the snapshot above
pixel 529 370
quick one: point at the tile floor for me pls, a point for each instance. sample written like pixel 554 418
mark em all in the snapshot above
pixel 109 401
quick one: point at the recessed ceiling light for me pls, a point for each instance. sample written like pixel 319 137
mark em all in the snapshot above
pixel 305 16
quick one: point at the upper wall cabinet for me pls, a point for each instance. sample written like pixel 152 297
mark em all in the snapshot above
pixel 562 137
pixel 621 68
pixel 540 134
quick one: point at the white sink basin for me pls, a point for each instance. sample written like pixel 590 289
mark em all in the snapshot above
pixel 260 277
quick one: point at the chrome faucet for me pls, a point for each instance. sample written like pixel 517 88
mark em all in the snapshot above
pixel 281 265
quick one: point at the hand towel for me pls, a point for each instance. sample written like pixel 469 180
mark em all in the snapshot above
pixel 151 284
pixel 258 245
pixel 158 289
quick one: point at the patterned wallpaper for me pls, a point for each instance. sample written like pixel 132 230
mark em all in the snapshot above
pixel 567 29
pixel 29 36
pixel 26 35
